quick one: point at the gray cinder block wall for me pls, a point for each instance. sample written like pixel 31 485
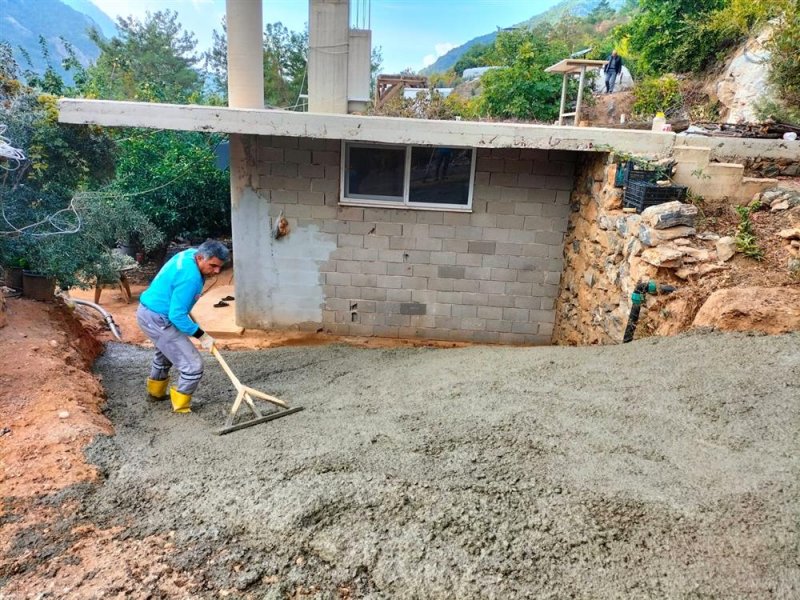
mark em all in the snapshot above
pixel 491 275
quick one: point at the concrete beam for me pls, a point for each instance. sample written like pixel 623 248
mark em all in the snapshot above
pixel 732 149
pixel 390 130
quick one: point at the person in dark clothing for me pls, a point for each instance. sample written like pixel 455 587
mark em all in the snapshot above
pixel 613 68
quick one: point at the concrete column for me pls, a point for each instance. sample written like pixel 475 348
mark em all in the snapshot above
pixel 245 53
pixel 328 50
pixel 358 69
pixel 249 211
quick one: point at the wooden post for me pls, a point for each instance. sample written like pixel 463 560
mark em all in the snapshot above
pixel 563 100
pixel 580 95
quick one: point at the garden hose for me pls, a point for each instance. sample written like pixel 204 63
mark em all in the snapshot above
pixel 637 299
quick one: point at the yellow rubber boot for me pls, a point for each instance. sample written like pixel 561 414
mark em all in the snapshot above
pixel 181 403
pixel 157 388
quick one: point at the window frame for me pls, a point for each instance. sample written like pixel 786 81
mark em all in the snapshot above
pixel 397 203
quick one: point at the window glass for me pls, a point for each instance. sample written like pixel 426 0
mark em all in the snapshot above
pixel 375 172
pixel 440 175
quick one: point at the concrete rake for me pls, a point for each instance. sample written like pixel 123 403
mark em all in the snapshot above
pixel 246 393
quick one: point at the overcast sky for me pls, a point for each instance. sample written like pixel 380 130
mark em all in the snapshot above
pixel 411 33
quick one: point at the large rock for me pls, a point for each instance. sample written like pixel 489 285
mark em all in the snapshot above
pixel 744 80
pixel 663 256
pixel 669 214
pixel 654 237
pixel 726 248
pixel 768 310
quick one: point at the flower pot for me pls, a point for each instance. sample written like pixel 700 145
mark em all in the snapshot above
pixel 38 287
pixel 14 277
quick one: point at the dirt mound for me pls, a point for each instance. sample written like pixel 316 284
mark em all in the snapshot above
pixel 767 310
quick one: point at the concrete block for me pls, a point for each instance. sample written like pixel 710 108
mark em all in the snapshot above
pixel 530 208
pixel 516 314
pixel 458 246
pixel 267 154
pixel 466 285
pixel 351 213
pixel 538 223
pixel 498 325
pixel 483 220
pixel 389 229
pixel 283 197
pixel 311 171
pixel 456 219
pixel 337 279
pixel 464 312
pixel 363 280
pixel 448 298
pixel 323 212
pixel 490 164
pixel 557 182
pixel 298 184
pixel 423 295
pixel 442 231
pixel 530 276
pixel 323 185
pixel 470 260
pixel 526 328
pixel 283 169
pixel 282 141
pixel 307 143
pixel 482 247
pixel 524 236
pixel 413 308
pixel 369 293
pixel 342 254
pixel 500 207
pixel 376 268
pixel 440 285
pixel 390 281
pixel 515 288
pixel 417 256
pixel 492 287
pixel 500 300
pixel 484 337
pixel 361 227
pixel 348 266
pixel 480 273
pixel 398 242
pixel 365 254
pixel 325 157
pixel 497 261
pixel 314 198
pixel 509 248
pixel 443 258
pixel 555 210
pixel 536 250
pixel 517 166
pixel 398 295
pixel 475 299
pixel 552 277
pixel 527 302
pixel 482 178
pixel 333 172
pixel 380 242
pixel 506 153
pixel 493 313
pixel 473 324
pixel 504 179
pixel 430 217
pixel 503 274
pixel 386 331
pixel 451 272
pixel 347 240
pixel 400 269
pixel 391 255
pixel 423 270
pixel 468 233
pixel 416 230
pixel 549 238
pixel 532 181
pixel 492 234
pixel 429 244
pixel 414 283
pixel 546 331
pixel 449 324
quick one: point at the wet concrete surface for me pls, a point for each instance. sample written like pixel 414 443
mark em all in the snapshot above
pixel 662 468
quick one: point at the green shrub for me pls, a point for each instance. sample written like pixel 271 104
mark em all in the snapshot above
pixel 785 48
pixel 656 94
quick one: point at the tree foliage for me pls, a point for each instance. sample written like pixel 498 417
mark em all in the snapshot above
pixel 785 48
pixel 152 60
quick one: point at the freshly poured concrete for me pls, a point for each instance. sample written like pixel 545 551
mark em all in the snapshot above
pixel 662 468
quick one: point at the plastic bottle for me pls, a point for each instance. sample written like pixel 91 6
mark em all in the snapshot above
pixel 659 121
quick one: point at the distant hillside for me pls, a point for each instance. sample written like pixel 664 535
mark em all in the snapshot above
pixel 22 22
pixel 578 8
pixel 106 25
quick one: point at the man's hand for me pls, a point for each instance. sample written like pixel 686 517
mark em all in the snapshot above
pixel 207 342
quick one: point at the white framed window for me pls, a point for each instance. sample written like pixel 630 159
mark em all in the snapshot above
pixel 406 176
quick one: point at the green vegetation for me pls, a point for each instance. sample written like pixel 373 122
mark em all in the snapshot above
pixel 746 241
pixel 654 94
pixel 785 48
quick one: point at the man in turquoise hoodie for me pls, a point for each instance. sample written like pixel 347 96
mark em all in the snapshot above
pixel 163 315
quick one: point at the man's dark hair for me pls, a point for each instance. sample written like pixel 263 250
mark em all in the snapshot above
pixel 215 249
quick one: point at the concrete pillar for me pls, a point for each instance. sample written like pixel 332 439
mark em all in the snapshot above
pixel 245 54
pixel 328 50
pixel 358 69
pixel 249 211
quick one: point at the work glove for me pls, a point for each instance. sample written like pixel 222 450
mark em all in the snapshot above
pixel 207 342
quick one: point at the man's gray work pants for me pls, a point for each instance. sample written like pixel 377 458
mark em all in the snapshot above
pixel 611 78
pixel 173 347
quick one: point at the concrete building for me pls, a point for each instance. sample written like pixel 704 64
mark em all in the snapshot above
pixel 396 227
